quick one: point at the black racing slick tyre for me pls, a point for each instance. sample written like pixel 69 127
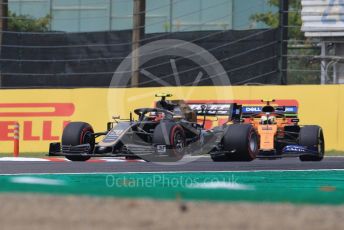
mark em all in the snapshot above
pixel 312 136
pixel 240 143
pixel 77 133
pixel 172 136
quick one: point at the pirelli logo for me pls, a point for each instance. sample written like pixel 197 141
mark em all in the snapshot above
pixel 38 121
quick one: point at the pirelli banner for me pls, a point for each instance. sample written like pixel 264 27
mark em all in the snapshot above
pixel 42 114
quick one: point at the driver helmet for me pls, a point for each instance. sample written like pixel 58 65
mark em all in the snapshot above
pixel 272 120
pixel 159 116
pixel 264 120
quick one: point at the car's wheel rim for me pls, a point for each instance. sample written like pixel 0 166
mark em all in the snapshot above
pixel 321 149
pixel 88 139
pixel 179 142
pixel 253 143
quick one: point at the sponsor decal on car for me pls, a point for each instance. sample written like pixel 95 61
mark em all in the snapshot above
pixel 161 148
pixel 252 109
pixel 267 128
pixel 113 135
pixel 294 149
pixel 211 109
pixel 291 109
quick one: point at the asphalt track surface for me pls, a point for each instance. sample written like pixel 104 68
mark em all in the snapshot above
pixel 198 165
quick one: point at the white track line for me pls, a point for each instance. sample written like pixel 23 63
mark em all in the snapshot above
pixel 221 185
pixel 35 180
pixel 22 159
pixel 32 159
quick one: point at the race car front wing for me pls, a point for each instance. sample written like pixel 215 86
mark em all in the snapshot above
pixel 129 150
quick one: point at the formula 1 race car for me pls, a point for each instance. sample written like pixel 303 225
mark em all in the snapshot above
pixel 164 133
pixel 277 132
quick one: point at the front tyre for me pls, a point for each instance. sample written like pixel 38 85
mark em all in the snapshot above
pixel 78 133
pixel 312 136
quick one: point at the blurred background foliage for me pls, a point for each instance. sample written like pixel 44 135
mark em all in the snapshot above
pixel 302 68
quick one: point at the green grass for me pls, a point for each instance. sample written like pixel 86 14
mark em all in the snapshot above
pixel 298 187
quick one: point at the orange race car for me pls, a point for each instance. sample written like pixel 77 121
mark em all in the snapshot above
pixel 276 134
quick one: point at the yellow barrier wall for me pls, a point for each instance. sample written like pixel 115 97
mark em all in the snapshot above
pixel 41 119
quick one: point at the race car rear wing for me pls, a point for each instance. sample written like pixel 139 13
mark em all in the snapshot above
pixel 230 110
pixel 288 111
pixel 215 109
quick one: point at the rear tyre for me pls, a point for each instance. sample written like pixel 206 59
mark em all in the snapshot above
pixel 312 136
pixel 78 133
pixel 240 143
pixel 170 134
